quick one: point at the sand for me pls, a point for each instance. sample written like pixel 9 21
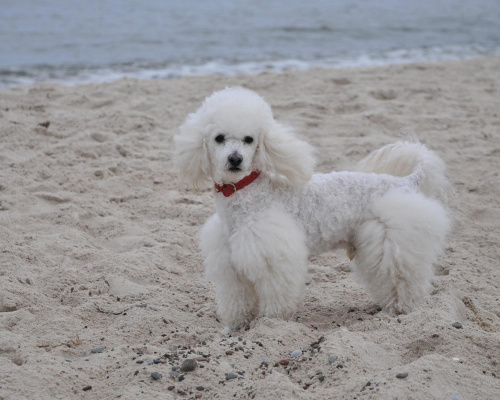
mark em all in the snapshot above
pixel 100 272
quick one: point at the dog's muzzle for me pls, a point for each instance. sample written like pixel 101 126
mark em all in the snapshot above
pixel 235 159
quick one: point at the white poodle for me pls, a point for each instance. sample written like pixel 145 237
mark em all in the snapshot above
pixel 273 213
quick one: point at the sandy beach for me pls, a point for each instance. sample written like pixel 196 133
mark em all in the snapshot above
pixel 101 279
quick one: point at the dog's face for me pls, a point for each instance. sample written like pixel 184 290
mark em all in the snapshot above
pixel 232 152
pixel 234 133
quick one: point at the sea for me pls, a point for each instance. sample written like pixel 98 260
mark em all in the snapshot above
pixel 75 41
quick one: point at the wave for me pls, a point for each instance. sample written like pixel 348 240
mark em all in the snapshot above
pixel 81 74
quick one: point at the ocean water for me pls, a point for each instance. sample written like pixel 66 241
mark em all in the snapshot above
pixel 74 41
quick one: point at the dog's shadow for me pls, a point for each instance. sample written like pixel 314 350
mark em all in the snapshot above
pixel 329 317
pixel 333 299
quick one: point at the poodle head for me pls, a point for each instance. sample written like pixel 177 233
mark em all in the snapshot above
pixel 234 133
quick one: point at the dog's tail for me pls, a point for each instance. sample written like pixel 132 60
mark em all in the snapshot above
pixel 415 161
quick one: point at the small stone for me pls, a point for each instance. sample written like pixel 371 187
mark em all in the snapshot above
pixel 174 374
pixel 181 378
pixel 332 359
pixel 88 387
pixel 402 375
pixel 340 366
pixel 455 398
pixel 284 362
pixel 229 352
pixel 97 350
pixel 230 376
pixel 296 353
pixel 321 378
pixel 171 388
pixel 457 325
pixel 156 361
pixel 198 396
pixel 156 375
pixel 399 320
pixel 189 365
pixel 200 388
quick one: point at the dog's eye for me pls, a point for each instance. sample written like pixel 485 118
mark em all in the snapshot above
pixel 219 138
pixel 248 139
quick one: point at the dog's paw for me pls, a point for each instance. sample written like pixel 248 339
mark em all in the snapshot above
pixel 226 331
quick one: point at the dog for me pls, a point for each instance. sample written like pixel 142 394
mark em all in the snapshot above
pixel 273 213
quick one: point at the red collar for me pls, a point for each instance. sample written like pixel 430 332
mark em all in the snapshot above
pixel 229 188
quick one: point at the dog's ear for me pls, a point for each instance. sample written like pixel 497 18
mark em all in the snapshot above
pixel 191 157
pixel 282 154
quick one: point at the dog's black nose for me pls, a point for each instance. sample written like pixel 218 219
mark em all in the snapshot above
pixel 235 159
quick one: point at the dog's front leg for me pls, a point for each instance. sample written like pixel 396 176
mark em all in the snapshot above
pixel 235 295
pixel 271 252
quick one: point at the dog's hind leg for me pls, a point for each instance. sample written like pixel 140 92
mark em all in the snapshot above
pixel 235 295
pixel 396 247
pixel 271 252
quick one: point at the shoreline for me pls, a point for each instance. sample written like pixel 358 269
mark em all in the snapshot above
pixel 73 75
pixel 102 275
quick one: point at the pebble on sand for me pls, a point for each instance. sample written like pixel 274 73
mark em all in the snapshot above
pixel 457 325
pixel 230 376
pixel 88 387
pixel 189 365
pixel 332 359
pixel 156 375
pixel 97 350
pixel 402 375
pixel 296 353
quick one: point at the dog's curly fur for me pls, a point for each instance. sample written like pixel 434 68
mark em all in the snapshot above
pixel 391 213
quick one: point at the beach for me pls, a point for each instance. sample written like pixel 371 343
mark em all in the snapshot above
pixel 101 278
